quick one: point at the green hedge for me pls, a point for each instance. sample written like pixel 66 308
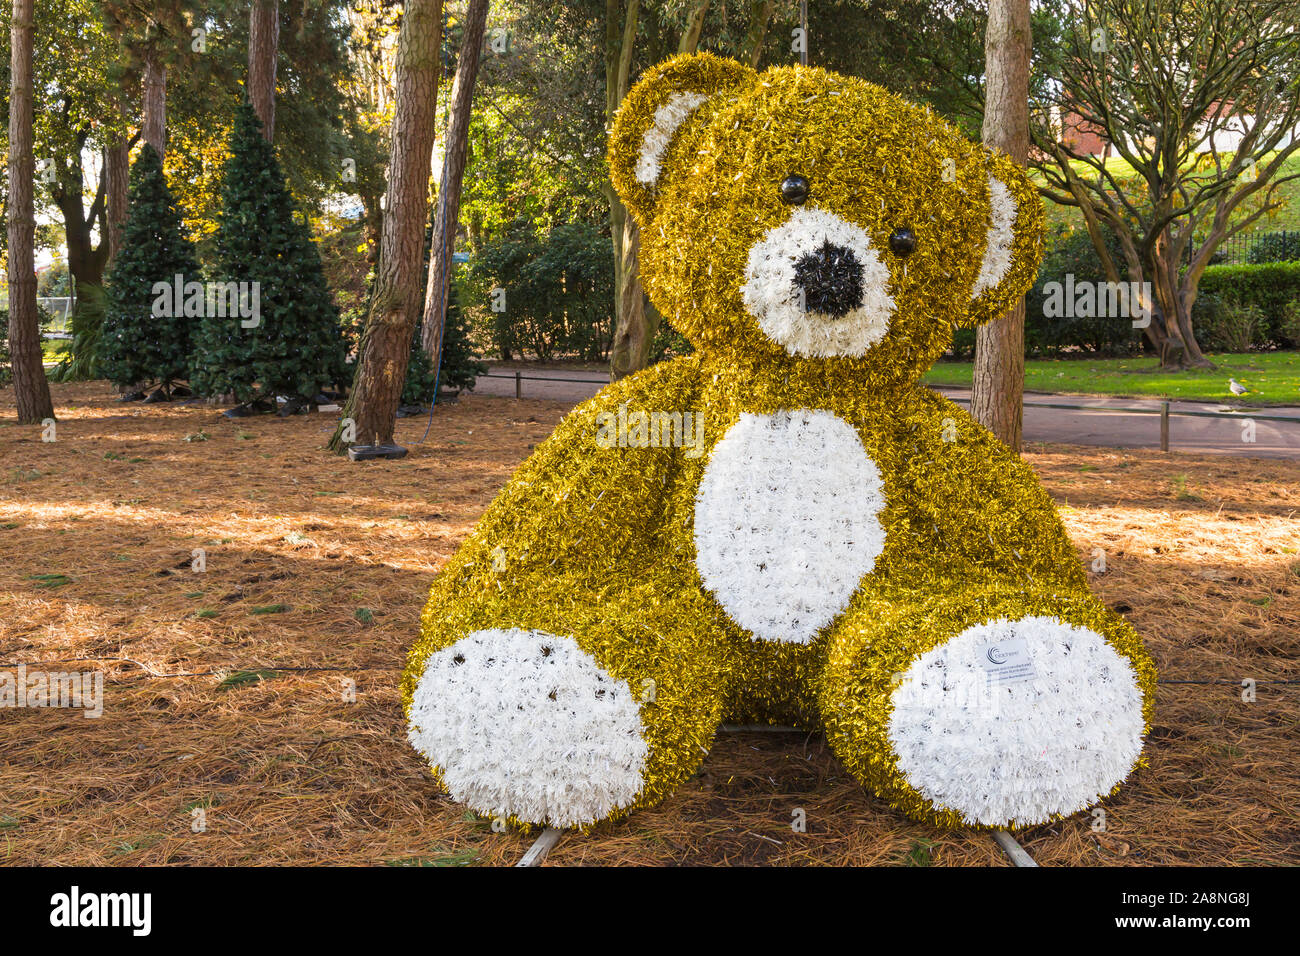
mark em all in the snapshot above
pixel 1271 287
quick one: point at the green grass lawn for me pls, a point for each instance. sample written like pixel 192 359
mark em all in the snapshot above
pixel 1273 376
pixel 54 350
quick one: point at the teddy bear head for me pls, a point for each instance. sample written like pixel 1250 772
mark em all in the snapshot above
pixel 801 217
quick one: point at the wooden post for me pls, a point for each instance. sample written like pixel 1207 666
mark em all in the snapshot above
pixel 1164 426
pixel 519 385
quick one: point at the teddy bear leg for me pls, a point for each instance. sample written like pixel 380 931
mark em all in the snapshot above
pixel 988 709
pixel 569 716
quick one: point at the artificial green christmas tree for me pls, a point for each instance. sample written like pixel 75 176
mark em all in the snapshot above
pixel 146 337
pixel 288 341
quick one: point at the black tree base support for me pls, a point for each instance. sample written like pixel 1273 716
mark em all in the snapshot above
pixel 249 409
pixel 369 452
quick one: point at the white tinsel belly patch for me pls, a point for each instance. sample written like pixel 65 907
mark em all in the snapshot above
pixel 1053 742
pixel 787 522
pixel 527 724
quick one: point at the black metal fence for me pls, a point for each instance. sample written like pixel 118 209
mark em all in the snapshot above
pixel 1272 244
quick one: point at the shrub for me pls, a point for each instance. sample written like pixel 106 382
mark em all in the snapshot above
pixel 459 367
pixel 87 328
pixel 1271 286
pixel 43 319
pixel 420 380
pixel 460 370
pixel 558 291
pixel 963 344
pixel 1288 330
pixel 1235 327
pixel 1072 253
pixel 668 344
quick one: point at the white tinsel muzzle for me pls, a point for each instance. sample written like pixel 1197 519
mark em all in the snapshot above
pixel 787 311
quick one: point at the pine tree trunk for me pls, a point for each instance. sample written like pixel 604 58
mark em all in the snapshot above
pixel 453 172
pixel 117 174
pixel 395 306
pixel 998 380
pixel 155 103
pixel 263 42
pixel 635 331
pixel 31 390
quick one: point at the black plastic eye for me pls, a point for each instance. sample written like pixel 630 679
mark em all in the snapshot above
pixel 902 241
pixel 794 190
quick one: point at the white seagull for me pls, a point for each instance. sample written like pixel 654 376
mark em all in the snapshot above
pixel 1236 387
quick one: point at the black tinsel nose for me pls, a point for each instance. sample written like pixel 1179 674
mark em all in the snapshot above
pixel 830 280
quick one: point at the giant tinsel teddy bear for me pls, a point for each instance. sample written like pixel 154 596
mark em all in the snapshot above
pixel 785 526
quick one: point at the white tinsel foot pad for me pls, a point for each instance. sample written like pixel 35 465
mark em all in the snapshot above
pixel 1011 722
pixel 527 724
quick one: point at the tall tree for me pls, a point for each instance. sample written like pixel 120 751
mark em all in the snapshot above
pixel 31 390
pixel 373 28
pixel 263 44
pixel 760 14
pixel 455 148
pixel 395 307
pixel 1199 101
pixel 203 95
pixel 636 320
pixel 999 375
pixel 117 182
pixel 155 36
pixel 77 119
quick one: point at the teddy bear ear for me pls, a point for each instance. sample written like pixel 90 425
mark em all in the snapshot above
pixel 1013 241
pixel 653 114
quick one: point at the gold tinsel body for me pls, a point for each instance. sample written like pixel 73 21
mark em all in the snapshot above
pixel 598 542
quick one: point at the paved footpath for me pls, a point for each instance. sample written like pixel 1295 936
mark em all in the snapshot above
pixel 1084 422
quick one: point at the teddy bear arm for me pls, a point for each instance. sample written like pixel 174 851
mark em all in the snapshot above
pixel 582 503
pixel 984 505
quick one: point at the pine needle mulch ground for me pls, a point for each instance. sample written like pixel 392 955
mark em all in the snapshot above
pixel 314 562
